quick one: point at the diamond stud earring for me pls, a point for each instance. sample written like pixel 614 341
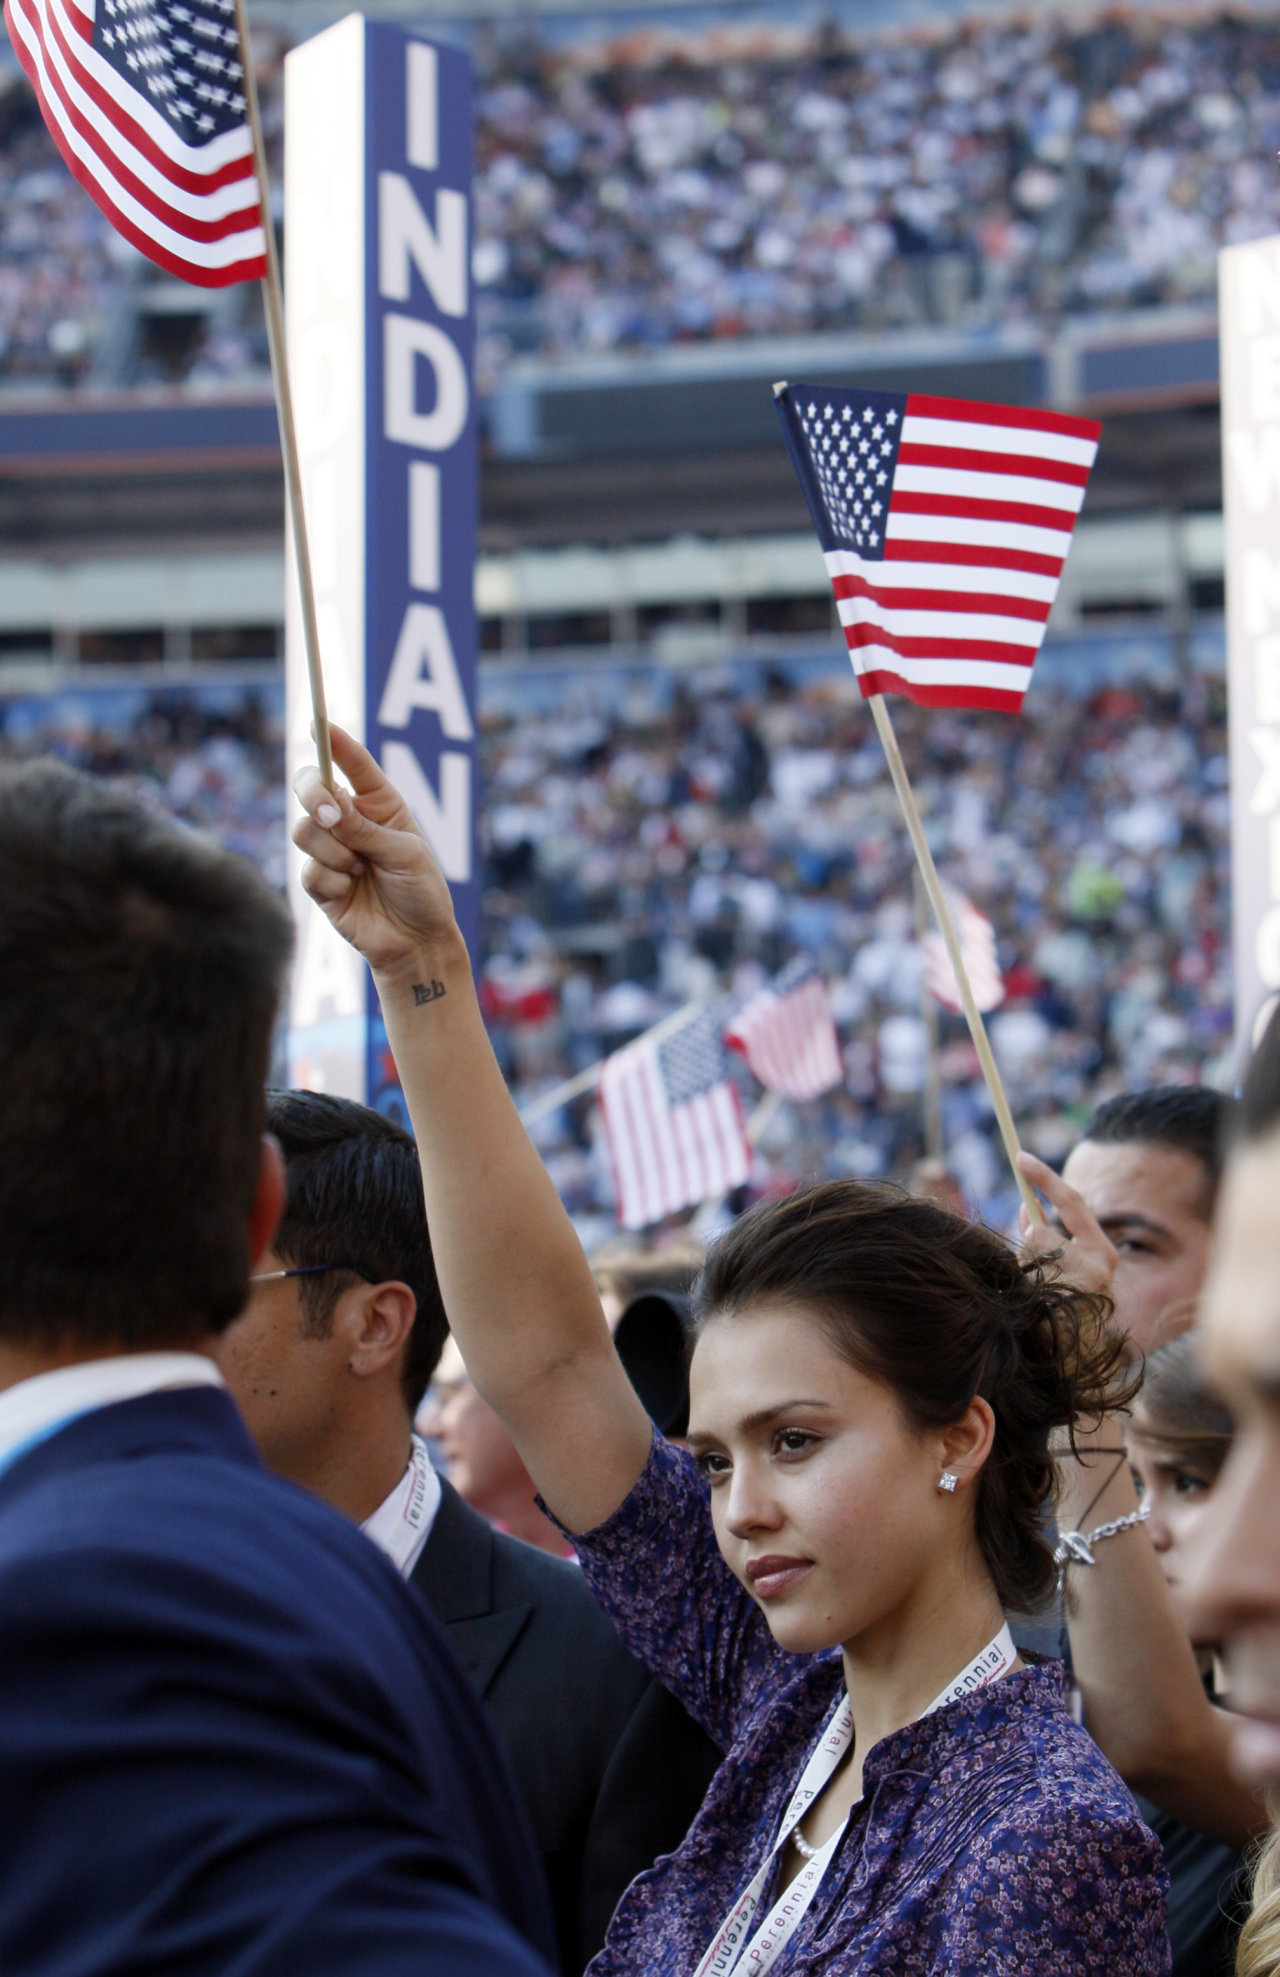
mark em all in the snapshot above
pixel 947 1482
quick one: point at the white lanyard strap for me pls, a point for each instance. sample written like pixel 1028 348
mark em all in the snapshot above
pixel 730 1954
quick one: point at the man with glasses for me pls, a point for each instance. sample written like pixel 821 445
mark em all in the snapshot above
pixel 329 1363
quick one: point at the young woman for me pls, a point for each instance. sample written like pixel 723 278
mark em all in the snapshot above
pixel 1177 1439
pixel 822 1581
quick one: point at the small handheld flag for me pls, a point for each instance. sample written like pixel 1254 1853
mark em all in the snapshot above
pixel 977 939
pixel 787 1034
pixel 945 524
pixel 672 1120
pixel 153 105
pixel 146 101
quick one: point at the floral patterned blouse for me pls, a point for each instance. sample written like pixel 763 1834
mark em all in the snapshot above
pixel 991 1837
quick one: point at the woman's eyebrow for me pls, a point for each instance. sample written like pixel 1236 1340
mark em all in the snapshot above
pixel 763 1416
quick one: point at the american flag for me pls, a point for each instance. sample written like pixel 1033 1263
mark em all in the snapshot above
pixel 977 938
pixel 945 524
pixel 787 1034
pixel 673 1121
pixel 145 100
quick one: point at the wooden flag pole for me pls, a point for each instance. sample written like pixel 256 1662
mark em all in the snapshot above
pixel 929 1017
pixel 273 303
pixel 937 899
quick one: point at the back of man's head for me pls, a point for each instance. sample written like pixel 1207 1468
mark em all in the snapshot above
pixel 354 1198
pixel 1191 1119
pixel 140 970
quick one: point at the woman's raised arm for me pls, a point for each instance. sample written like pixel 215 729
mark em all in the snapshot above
pixel 516 1285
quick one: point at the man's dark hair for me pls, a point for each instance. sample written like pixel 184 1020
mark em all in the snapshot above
pixel 1191 1119
pixel 355 1198
pixel 140 970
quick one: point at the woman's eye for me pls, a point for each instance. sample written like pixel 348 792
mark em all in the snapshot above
pixel 794 1441
pixel 1186 1484
pixel 712 1464
pixel 1140 1488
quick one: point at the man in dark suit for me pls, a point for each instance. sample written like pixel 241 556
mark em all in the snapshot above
pixel 229 1739
pixel 329 1363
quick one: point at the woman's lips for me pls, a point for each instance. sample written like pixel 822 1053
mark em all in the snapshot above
pixel 775 1574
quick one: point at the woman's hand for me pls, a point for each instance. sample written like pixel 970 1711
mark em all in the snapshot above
pixel 1086 1255
pixel 369 868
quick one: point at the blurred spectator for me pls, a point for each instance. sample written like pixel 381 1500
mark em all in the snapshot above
pixel 624 1272
pixel 480 1457
pixel 1148 1166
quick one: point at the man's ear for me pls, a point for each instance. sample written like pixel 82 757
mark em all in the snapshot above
pixel 268 1199
pixel 375 1320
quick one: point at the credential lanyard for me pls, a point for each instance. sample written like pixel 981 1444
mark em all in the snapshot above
pixel 730 1953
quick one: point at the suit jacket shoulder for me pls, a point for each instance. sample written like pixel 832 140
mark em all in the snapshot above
pixel 611 1768
pixel 287 1766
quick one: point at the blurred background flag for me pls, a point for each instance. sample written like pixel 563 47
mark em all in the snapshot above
pixel 945 524
pixel 145 99
pixel 673 1120
pixel 787 1034
pixel 977 939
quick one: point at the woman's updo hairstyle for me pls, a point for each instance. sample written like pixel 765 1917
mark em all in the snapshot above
pixel 940 1310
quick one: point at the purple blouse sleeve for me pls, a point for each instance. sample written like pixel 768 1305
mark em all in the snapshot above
pixel 656 1569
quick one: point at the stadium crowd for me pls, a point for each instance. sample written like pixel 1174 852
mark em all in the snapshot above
pixel 648 848
pixel 993 173
pixel 675 186
pixel 654 838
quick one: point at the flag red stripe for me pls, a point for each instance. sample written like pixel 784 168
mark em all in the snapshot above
pixel 197 272
pixel 119 119
pixel 975 411
pixel 907 549
pixel 982 697
pixel 1030 466
pixel 1062 519
pixel 896 598
pixel 940 648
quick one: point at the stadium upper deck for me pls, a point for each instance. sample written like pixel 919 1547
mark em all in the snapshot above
pixel 672 208
pixel 675 179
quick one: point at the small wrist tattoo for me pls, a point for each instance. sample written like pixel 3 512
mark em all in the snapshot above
pixel 427 992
